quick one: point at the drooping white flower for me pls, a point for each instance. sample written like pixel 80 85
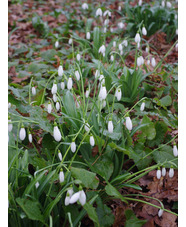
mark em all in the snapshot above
pixel 121 25
pixel 171 172
pixel 120 47
pixel 104 31
pixel 61 176
pixel 49 108
pixel 70 41
pixel 99 12
pixel 74 198
pixel 144 31
pixel 111 30
pixel 56 44
pixel 22 133
pixel 119 8
pixel 175 150
pixel 176 31
pixel 56 133
pixel 114 44
pixel 82 197
pixel 10 125
pixel 87 93
pixel 138 45
pixel 128 123
pixel 88 35
pixel 73 147
pixel 60 70
pixel 67 200
pixel 57 106
pixel 158 174
pixel 148 62
pixel 54 88
pixel 169 5
pixel 110 126
pixel 30 137
pixel 147 49
pixel 142 60
pixel 163 171
pixel 37 184
pixel 103 93
pixel 142 107
pixel 92 141
pixel 33 91
pixel 87 126
pixel 163 3
pixel 102 79
pixel 77 75
pixel 137 38
pixel 140 2
pixel 125 43
pixel 78 57
pixel 62 85
pixel 9 105
pixel 60 155
pixel 69 83
pixel 139 61
pixel 118 94
pixel 160 213
pixel 153 62
pixel 102 49
pixel 84 6
pixel 106 22
pixel 112 58
pixel 54 97
pixel 107 12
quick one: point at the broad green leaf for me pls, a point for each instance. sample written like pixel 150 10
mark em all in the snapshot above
pixel 132 220
pixel 92 213
pixel 88 179
pixel 48 55
pixel 112 191
pixel 166 101
pixel 149 130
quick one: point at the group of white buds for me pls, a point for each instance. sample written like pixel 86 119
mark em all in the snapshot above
pixel 162 172
pixel 72 197
pixel 22 134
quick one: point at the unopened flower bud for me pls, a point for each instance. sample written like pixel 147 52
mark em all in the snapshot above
pixel 73 147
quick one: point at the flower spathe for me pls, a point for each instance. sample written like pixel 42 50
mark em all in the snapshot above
pixel 73 147
pixel 22 133
pixel 128 123
pixel 60 71
pixel 56 133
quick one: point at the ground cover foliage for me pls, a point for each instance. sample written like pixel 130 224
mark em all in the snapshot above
pixel 93 113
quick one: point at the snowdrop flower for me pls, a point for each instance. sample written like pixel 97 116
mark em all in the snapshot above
pixel 33 90
pixel 60 70
pixel 9 105
pixel 137 38
pixel 158 174
pixel 87 126
pixel 82 197
pixel 10 126
pixel 69 83
pixel 118 94
pixel 57 106
pixel 153 62
pixel 121 52
pixel 163 3
pixel 37 185
pixel 84 6
pixel 78 57
pixel 138 45
pixel 60 155
pixel 163 171
pixel 73 147
pixel 142 107
pixel 67 199
pixel 120 47
pixel 148 62
pixel 111 30
pixel 74 198
pixel 147 49
pixel 103 92
pixel 176 31
pixel 110 126
pixel 88 35
pixel 106 22
pixel 30 137
pixel 121 25
pixel 49 108
pixel 54 88
pixel 142 60
pixel 97 74
pixel 140 2
pixel 144 31
pixel 61 176
pixel 22 133
pixel 102 49
pixel 112 58
pixel 56 44
pixel 77 75
pixel 62 85
pixel 70 191
pixel 160 213
pixel 139 61
pixel 99 12
pixel 104 31
pixel 169 5
pixel 175 150
pixel 92 141
pixel 70 41
pixel 54 97
pixel 128 123
pixel 107 12
pixel 87 93
pixel 125 43
pixel 171 172
pixel 119 8
pixel 114 44
pixel 56 133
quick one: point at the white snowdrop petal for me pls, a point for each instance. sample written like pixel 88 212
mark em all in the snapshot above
pixel 56 44
pixel 60 71
pixel 60 156
pixel 153 62
pixel 144 31
pixel 140 2
pixel 99 12
pixel 49 108
pixel 158 174
pixel 70 41
pixel 37 185
pixel 62 85
pixel 22 133
pixel 67 200
pixel 175 151
pixel 92 141
pixel 163 171
pixel 74 198
pixel 54 89
pixel 33 91
pixel 128 123
pixel 160 212
pixel 171 172
pixel 70 192
pixel 57 106
pixel 69 83
pixel 88 35
pixel 84 6
pixel 57 134
pixel 61 177
pixel 137 38
pixel 114 44
pixel 110 127
pixel 112 58
pixel 10 126
pixel 73 147
pixel 30 137
pixel 82 197
pixel 142 107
